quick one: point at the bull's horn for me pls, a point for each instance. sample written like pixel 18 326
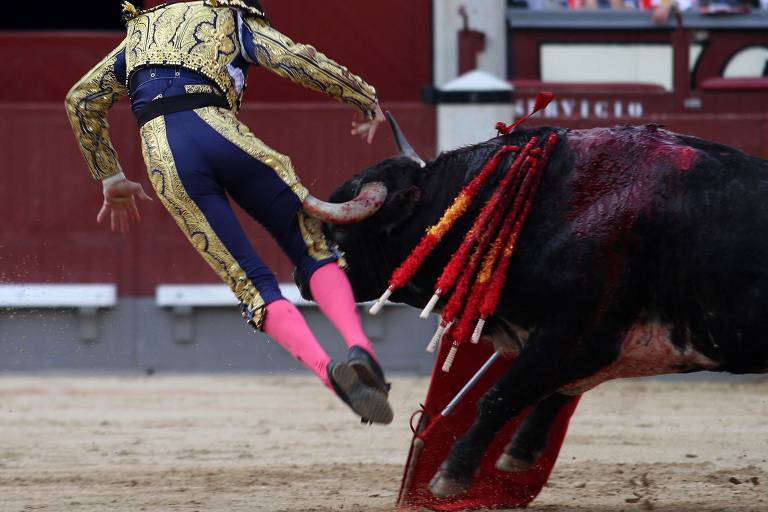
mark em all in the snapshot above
pixel 402 143
pixel 367 202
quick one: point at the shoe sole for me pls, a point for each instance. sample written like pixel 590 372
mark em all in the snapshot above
pixel 364 400
pixel 368 376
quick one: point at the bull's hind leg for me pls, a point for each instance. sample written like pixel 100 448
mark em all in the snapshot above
pixel 552 358
pixel 530 439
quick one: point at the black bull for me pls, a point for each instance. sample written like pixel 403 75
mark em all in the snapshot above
pixel 645 253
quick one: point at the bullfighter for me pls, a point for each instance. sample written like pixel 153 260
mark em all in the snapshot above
pixel 184 67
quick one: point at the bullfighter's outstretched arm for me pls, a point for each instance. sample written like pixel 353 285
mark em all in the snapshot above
pixel 304 65
pixel 88 103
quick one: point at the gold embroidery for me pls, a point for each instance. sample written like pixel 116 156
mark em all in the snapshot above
pixel 132 12
pixel 199 88
pixel 129 11
pixel 227 124
pixel 304 65
pixel 87 104
pixel 317 245
pixel 237 4
pixel 170 190
pixel 188 35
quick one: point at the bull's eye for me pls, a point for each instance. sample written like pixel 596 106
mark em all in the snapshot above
pixel 338 235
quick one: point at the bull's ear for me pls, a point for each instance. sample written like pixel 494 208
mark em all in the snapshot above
pixel 399 206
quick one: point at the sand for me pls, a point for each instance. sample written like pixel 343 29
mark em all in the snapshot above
pixel 282 443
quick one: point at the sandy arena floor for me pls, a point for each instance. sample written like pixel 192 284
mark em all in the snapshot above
pixel 224 443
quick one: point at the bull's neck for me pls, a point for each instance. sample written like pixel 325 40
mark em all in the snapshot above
pixel 370 276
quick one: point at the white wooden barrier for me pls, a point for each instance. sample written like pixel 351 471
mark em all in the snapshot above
pixel 213 295
pixel 87 299
pixel 182 299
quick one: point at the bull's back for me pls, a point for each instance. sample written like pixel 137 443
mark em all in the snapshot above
pixel 672 227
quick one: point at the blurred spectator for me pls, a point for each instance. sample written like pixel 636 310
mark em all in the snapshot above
pixel 601 4
pixel 727 6
pixel 661 8
pixel 538 5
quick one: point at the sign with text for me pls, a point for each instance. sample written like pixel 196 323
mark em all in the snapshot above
pixel 569 107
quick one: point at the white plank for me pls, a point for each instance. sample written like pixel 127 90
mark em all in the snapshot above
pixel 45 295
pixel 213 295
pixel 217 295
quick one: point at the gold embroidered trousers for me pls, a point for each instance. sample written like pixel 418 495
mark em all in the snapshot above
pixel 199 160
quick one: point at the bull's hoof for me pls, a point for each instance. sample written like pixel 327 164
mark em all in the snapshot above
pixel 442 486
pixel 515 461
pixel 510 464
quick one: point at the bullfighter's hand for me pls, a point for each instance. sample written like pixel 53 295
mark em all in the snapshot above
pixel 120 204
pixel 367 129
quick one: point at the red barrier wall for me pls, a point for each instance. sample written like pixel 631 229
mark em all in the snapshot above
pixel 49 202
pixel 386 42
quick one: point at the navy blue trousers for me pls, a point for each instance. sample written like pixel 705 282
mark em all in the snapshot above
pixel 211 168
pixel 200 160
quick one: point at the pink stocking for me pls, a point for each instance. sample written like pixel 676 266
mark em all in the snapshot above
pixel 333 293
pixel 285 324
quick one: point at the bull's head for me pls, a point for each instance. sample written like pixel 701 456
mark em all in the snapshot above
pixel 398 177
pixel 367 241
pixel 370 196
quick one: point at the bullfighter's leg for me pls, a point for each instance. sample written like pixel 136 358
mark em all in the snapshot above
pixel 178 149
pixel 301 237
pixel 197 201
pixel 263 183
pixel 530 439
pixel 333 293
pixel 546 364
pixel 276 204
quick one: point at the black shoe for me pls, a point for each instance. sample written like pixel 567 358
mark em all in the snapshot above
pixel 367 369
pixel 366 401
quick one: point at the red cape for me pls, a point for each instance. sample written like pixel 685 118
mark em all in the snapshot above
pixel 492 488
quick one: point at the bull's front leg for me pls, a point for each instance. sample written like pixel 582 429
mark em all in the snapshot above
pixel 545 365
pixel 530 439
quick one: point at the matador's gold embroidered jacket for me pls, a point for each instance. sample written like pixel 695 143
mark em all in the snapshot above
pixel 207 37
